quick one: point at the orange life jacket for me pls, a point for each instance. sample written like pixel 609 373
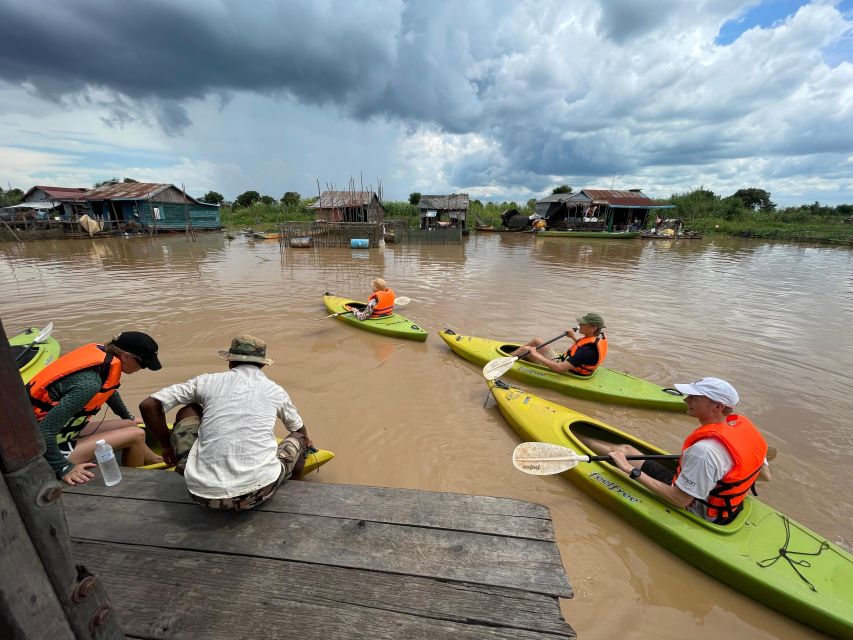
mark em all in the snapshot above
pixel 384 303
pixel 86 357
pixel 600 342
pixel 747 448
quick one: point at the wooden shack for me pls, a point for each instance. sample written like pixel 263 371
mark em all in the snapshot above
pixel 349 206
pixel 443 211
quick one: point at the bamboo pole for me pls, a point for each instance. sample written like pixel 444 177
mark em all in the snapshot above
pixel 37 495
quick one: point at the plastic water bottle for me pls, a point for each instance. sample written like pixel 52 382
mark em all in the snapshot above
pixel 107 463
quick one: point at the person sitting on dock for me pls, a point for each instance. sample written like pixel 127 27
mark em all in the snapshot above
pixel 67 393
pixel 720 460
pixel 380 303
pixel 582 358
pixel 223 439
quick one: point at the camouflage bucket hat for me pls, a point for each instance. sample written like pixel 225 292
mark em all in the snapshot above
pixel 594 319
pixel 246 349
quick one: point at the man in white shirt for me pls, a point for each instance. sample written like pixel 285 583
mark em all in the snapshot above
pixel 223 436
pixel 720 460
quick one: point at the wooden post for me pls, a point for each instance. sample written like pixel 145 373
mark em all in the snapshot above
pixel 37 494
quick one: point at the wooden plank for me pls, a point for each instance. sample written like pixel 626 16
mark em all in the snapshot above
pixel 530 565
pixel 498 516
pixel 220 596
pixel 29 607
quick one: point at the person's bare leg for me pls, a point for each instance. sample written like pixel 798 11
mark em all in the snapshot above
pixel 129 439
pixel 536 342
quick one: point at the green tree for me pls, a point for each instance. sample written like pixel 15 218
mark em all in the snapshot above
pixel 247 198
pixel 414 198
pixel 753 198
pixel 267 200
pixel 563 188
pixel 10 197
pixel 531 204
pixel 291 199
pixel 109 181
pixel 213 197
pixel 130 180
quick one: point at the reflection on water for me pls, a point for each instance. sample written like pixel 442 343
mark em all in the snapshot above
pixel 774 319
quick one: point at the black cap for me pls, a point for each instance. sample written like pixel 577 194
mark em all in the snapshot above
pixel 142 346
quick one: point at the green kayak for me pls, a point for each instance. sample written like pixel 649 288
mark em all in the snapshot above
pixel 32 356
pixel 394 325
pixel 747 554
pixel 605 385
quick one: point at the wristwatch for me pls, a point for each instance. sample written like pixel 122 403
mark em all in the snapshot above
pixel 635 472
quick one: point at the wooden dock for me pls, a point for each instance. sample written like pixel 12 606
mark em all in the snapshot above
pixel 320 561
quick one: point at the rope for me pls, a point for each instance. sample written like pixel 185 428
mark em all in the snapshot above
pixel 784 553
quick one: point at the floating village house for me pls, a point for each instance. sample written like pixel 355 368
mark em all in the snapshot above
pixel 150 206
pixel 349 206
pixel 443 211
pixel 117 207
pixel 599 210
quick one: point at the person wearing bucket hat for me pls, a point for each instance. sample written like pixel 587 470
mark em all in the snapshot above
pixel 587 352
pixel 720 460
pixel 223 439
pixel 70 391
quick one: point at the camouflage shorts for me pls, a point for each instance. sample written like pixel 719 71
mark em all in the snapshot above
pixel 289 451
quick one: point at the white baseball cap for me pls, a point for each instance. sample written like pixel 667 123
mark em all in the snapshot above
pixel 713 388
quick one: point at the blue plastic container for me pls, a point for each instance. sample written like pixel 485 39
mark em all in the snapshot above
pixel 359 243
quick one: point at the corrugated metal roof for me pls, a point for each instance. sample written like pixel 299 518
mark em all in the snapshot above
pixel 333 199
pixel 126 191
pixel 556 197
pixel 623 198
pixel 59 193
pixel 454 201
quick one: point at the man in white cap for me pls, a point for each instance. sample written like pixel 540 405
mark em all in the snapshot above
pixel 225 430
pixel 720 460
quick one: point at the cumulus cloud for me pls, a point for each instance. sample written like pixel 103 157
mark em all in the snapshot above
pixel 580 90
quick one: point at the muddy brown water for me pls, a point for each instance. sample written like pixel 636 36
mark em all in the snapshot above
pixel 773 319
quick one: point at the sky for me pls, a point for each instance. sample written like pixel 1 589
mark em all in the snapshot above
pixel 502 100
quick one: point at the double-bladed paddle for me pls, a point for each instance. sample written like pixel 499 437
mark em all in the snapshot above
pixel 494 369
pixel 44 334
pixel 402 301
pixel 544 459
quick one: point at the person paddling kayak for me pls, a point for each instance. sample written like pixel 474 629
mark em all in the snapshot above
pixel 720 460
pixel 70 391
pixel 380 303
pixel 582 358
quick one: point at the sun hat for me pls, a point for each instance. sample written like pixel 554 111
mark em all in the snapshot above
pixel 140 345
pixel 713 388
pixel 245 348
pixel 595 319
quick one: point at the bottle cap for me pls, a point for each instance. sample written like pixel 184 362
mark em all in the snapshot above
pixel 97 442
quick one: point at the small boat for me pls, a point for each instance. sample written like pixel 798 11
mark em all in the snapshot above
pixel 313 461
pixel 686 235
pixel 491 229
pixel 762 553
pixel 267 235
pixel 394 325
pixel 33 350
pixel 608 235
pixel 605 385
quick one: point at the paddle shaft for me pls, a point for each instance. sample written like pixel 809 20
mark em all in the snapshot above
pixel 524 353
pixel 661 456
pixel 44 333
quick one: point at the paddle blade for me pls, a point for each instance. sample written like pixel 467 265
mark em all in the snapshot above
pixel 494 369
pixel 544 459
pixel 402 301
pixel 44 334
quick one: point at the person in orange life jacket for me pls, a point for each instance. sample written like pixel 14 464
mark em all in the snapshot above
pixel 720 460
pixel 379 304
pixel 582 358
pixel 67 393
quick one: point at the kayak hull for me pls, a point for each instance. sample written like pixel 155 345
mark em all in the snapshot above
pixel 37 358
pixel 605 385
pixel 394 325
pixel 730 553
